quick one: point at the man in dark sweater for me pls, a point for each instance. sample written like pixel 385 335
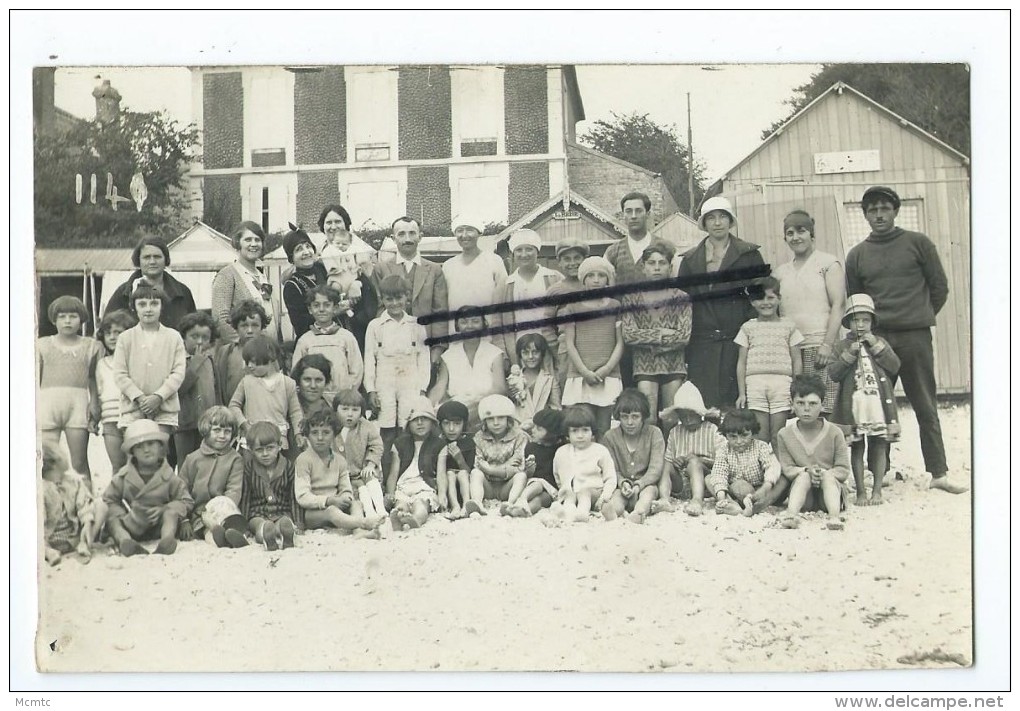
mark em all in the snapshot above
pixel 901 271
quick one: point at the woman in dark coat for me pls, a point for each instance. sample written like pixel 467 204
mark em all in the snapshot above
pixel 308 273
pixel 150 258
pixel 720 307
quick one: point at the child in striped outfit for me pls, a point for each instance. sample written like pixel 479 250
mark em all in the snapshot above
pixel 267 493
pixel 690 450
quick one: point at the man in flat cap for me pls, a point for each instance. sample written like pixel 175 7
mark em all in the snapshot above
pixel 901 271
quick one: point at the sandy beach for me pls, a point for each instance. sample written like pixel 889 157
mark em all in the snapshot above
pixel 677 594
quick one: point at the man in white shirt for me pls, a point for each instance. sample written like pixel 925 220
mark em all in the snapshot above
pixel 625 255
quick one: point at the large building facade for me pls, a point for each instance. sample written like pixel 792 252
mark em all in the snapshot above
pixel 432 142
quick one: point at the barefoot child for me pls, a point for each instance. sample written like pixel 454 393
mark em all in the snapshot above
pixel 594 346
pixel 113 324
pixel 322 482
pixel 68 399
pixel 499 454
pixel 248 319
pixel 198 391
pixel 456 458
pixel 690 451
pixel 360 444
pixel 413 498
pixel 813 455
pixel 638 450
pixel 769 358
pixel 583 468
pixel 864 364
pixel 69 512
pixel 328 338
pixel 146 499
pixel 745 469
pixel 214 474
pixel 540 490
pixel 267 494
pixel 267 395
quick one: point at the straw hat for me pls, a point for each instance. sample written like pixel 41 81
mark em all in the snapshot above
pixel 142 431
pixel 859 304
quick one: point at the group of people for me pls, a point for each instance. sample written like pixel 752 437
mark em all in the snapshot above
pixel 416 389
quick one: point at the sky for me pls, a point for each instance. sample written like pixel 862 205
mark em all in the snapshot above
pixel 730 104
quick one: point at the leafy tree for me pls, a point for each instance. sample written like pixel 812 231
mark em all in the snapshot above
pixel 935 97
pixel 637 139
pixel 150 143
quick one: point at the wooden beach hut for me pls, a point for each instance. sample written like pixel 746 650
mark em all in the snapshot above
pixel 823 159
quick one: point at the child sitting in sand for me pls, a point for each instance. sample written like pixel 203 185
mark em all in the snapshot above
pixel 214 474
pixel 499 454
pixel 362 446
pixel 456 458
pixel 690 450
pixel 864 366
pixel 68 509
pixel 145 498
pixel 267 495
pixel 637 448
pixel 322 482
pixel 413 498
pixel 745 469
pixel 583 468
pixel 540 490
pixel 813 455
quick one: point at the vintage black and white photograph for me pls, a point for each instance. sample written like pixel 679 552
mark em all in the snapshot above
pixel 498 364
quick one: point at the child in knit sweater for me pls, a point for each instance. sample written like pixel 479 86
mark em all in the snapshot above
pixel 813 455
pixel 745 469
pixel 113 324
pixel 327 337
pixel 267 395
pixel 214 474
pixel 637 448
pixel 322 481
pixel 149 364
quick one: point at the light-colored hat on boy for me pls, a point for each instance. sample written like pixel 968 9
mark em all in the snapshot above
pixel 569 243
pixel 422 407
pixel 859 304
pixel 688 397
pixel 596 264
pixel 142 431
pixel 712 204
pixel 496 406
pixel 524 237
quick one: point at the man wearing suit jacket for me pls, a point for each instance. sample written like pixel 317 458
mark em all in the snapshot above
pixel 428 285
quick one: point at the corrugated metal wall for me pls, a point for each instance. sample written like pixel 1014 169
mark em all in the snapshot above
pixel 781 177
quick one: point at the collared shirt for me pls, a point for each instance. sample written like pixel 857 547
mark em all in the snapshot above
pixel 408 264
pixel 401 343
pixel 638 246
pixel 714 255
pixel 755 465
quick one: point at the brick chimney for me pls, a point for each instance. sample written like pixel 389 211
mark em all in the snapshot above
pixel 107 101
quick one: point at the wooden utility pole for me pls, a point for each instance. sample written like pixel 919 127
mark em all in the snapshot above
pixel 690 159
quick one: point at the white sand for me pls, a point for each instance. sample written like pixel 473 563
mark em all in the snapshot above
pixel 716 593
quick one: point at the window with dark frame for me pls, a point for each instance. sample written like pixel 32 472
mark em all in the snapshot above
pixel 265 210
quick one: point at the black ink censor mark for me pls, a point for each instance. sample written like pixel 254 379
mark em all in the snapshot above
pixel 720 285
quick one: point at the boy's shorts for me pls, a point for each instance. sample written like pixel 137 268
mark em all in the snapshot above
pixel 63 408
pixel 768 393
pixel 395 406
pixel 162 418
